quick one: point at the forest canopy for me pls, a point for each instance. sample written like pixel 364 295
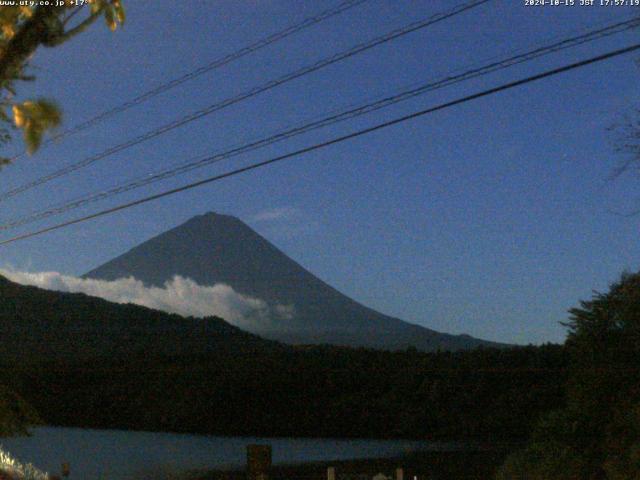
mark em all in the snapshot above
pixel 597 433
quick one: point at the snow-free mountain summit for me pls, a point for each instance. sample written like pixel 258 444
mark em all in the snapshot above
pixel 213 248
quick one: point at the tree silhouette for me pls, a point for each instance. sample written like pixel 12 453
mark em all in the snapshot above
pixel 597 434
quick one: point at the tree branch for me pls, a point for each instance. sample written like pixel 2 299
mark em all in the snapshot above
pixel 36 30
pixel 81 27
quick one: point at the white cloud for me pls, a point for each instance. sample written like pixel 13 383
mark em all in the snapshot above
pixel 280 213
pixel 179 295
pixel 285 223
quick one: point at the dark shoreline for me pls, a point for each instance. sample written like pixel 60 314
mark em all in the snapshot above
pixel 432 465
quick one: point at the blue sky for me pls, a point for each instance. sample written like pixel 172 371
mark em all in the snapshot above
pixel 490 218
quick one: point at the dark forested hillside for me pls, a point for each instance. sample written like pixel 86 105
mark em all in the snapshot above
pixel 37 324
pixel 312 391
pixel 82 361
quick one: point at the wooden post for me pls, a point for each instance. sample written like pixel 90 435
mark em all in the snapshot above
pixel 399 473
pixel 66 469
pixel 331 473
pixel 258 462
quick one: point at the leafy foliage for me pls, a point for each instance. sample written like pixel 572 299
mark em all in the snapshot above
pixel 597 434
pixel 15 414
pixel 16 469
pixel 23 29
pixel 35 118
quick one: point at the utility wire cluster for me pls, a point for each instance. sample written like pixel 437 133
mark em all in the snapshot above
pixel 324 121
pixel 245 95
pixel 213 65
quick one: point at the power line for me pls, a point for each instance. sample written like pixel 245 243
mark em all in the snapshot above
pixel 318 146
pixel 251 93
pixel 369 107
pixel 215 64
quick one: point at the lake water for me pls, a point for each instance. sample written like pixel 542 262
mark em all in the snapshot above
pixel 126 455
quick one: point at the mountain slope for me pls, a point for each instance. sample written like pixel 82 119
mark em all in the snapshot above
pixel 215 248
pixel 37 324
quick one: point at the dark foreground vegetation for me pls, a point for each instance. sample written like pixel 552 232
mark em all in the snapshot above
pixel 576 406
pixel 82 361
pixel 314 391
pixel 596 433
